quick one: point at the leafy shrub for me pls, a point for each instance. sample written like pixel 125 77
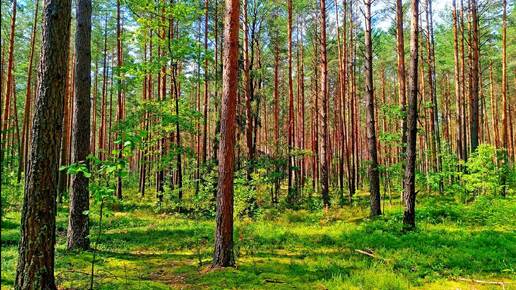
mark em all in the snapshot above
pixel 245 197
pixel 483 174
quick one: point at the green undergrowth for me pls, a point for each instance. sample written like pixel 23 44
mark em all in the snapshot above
pixel 144 248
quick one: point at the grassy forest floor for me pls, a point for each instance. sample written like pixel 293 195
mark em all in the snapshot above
pixel 144 247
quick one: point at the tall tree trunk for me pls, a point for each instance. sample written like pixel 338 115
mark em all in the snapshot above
pixel 505 125
pixel 409 188
pixel 433 95
pixel 216 98
pixel 9 83
pixel 474 77
pixel 290 134
pixel 494 108
pixel 324 97
pixel 65 138
pixel 223 255
pixel 78 222
pixel 247 93
pixel 464 145
pixel 276 115
pixel 120 113
pixel 35 269
pixel 28 95
pixel 102 130
pixel 206 103
pixel 179 149
pixel 302 110
pixel 93 134
pixel 346 138
pixel 400 51
pixel 374 177
pixel 457 80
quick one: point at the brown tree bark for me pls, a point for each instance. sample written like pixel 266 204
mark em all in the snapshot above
pixel 179 169
pixel 346 138
pixel 9 84
pixel 457 80
pixel 505 123
pixel 35 269
pixel 494 109
pixel 400 51
pixel 474 85
pixel 374 175
pixel 145 126
pixel 290 134
pixel 436 138
pixel 409 189
pixel 93 134
pixel 28 96
pixel 120 112
pixel 324 110
pixel 78 221
pixel 206 95
pixel 463 118
pixel 223 255
pixel 67 128
pixel 301 84
pixel 102 130
pixel 247 94
pixel 175 86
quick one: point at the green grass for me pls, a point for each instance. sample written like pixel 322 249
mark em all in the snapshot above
pixel 142 248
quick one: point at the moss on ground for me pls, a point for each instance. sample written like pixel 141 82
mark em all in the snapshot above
pixel 144 248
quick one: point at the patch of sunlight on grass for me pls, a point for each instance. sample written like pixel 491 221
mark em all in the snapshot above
pixel 143 249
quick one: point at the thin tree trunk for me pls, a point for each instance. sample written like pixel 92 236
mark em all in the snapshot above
pixel 206 103
pixel 433 95
pixel 457 80
pixel 178 134
pixel 276 116
pixel 290 134
pixel 324 97
pixel 28 96
pixel 102 131
pixel 93 134
pixel 78 222
pixel 474 77
pixel 247 93
pixel 409 190
pixel 463 87
pixel 374 177
pixel 400 50
pixel 63 177
pixel 505 131
pixel 10 80
pixel 120 113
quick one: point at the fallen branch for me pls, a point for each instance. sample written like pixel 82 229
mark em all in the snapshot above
pixel 500 283
pixel 371 254
pixel 367 253
pixel 274 281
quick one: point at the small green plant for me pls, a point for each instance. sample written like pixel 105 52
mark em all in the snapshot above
pixel 102 189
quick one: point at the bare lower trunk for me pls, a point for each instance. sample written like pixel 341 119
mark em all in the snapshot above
pixel 374 177
pixel 35 269
pixel 409 189
pixel 324 97
pixel 223 255
pixel 78 222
